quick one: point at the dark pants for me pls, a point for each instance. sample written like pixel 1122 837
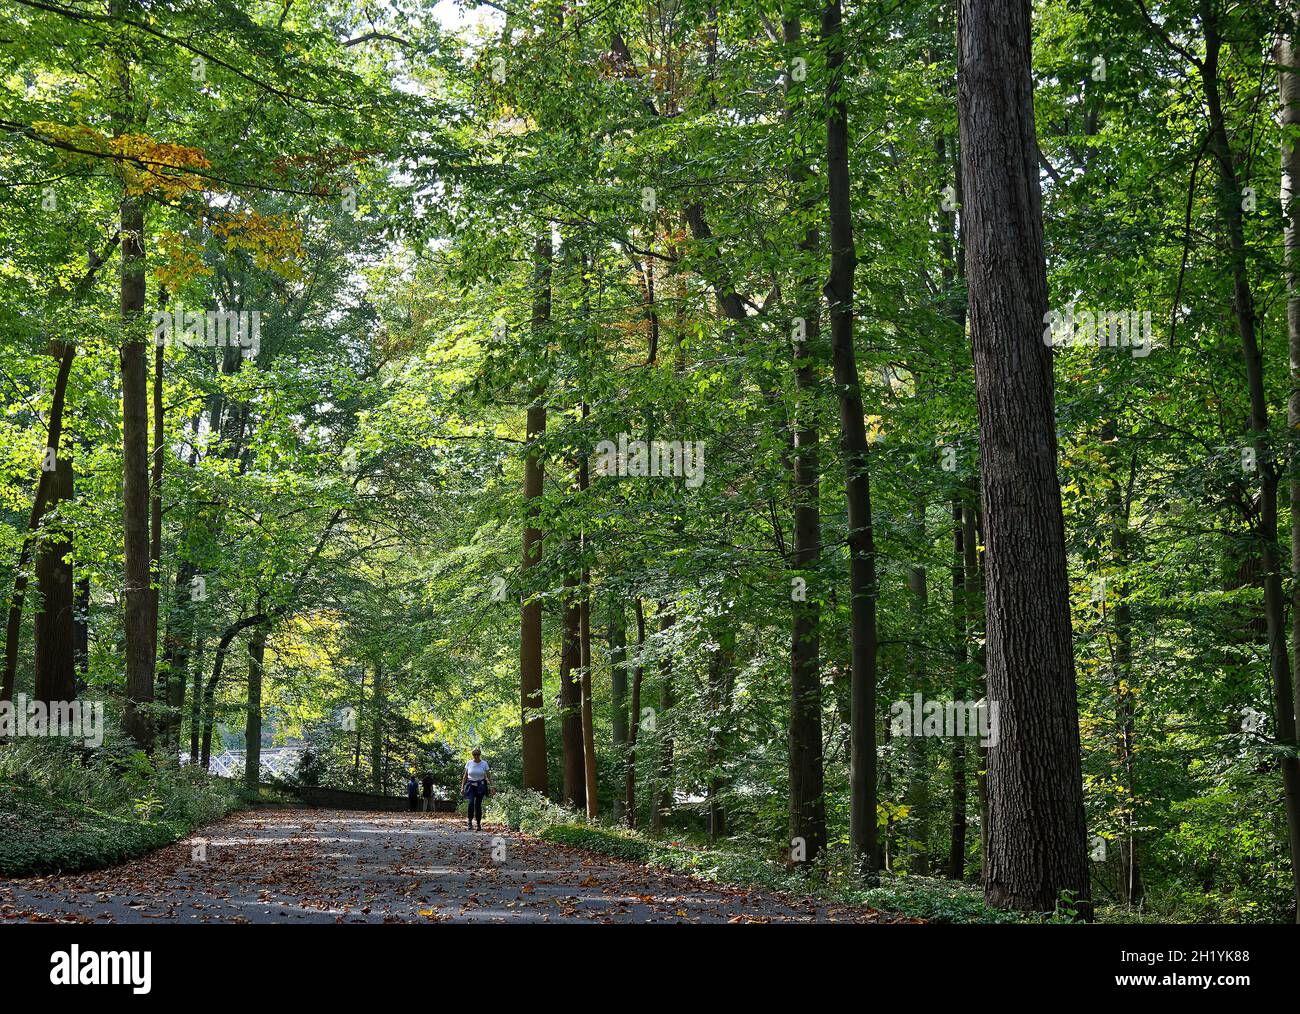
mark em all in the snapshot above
pixel 474 792
pixel 414 800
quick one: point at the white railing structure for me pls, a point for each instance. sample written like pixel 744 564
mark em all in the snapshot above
pixel 278 761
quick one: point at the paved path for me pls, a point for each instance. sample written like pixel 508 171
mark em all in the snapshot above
pixel 306 865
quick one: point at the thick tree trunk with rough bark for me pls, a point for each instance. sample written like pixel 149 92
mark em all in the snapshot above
pixel 807 822
pixel 1037 840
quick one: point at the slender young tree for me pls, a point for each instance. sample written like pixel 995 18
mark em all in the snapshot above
pixel 253 717
pixel 662 801
pixel 853 437
pixel 575 792
pixel 533 730
pixel 1263 519
pixel 138 721
pixel 617 639
pixel 638 673
pixel 55 664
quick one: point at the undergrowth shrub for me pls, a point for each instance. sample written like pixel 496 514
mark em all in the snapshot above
pixel 64 807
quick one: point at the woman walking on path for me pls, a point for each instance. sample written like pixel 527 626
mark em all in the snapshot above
pixel 474 785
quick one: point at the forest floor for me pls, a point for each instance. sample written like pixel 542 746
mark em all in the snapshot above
pixel 309 865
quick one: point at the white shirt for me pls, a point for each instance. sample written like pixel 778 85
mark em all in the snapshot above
pixel 476 771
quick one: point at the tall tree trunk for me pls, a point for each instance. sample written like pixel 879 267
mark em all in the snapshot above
pixel 176 647
pixel 722 680
pixel 55 665
pixel 253 720
pixel 1037 838
pixel 1118 504
pixel 218 665
pixel 196 700
pixel 584 659
pixel 665 789
pixel 638 672
pixel 1287 56
pixel 210 703
pixel 807 806
pixel 44 490
pixel 918 786
pixel 81 632
pixel 179 636
pixel 861 539
pixel 533 729
pixel 66 352
pixel 618 691
pixel 588 724
pixel 166 691
pixel 137 720
pixel 575 789
pixel 377 708
pixel 356 742
pixel 1131 888
pixel 1265 522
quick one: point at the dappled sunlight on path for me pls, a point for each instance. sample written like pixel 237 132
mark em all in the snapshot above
pixel 299 865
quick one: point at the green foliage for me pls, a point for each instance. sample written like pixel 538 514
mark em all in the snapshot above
pixel 523 810
pixel 621 844
pixel 932 899
pixel 40 833
pixel 358 482
pixel 919 897
pixel 63 809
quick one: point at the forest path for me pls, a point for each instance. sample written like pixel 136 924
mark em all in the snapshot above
pixel 310 865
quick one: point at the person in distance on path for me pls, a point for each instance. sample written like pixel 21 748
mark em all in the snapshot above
pixel 474 785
